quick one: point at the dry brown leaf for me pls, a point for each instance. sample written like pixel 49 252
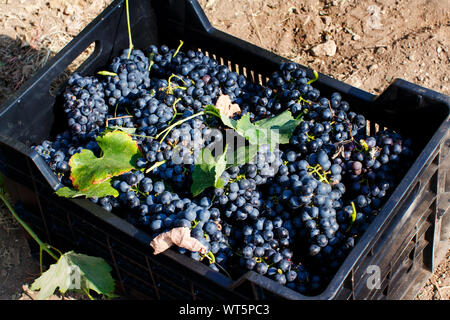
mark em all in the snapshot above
pixel 226 107
pixel 180 237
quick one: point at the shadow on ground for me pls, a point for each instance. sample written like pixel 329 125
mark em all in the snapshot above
pixel 18 62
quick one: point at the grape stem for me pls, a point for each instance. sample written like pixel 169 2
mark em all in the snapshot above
pixel 223 269
pixel 129 30
pixel 107 73
pixel 86 291
pixel 136 189
pixel 175 112
pixel 115 118
pixel 170 87
pixel 315 169
pixel 303 101
pixel 155 165
pixel 316 76
pixel 209 255
pixel 178 49
pixel 353 217
pixel 303 113
pixel 169 128
pixel 194 224
pixel 42 246
pixel 115 110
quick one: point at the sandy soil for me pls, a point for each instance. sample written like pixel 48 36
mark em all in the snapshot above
pixel 364 43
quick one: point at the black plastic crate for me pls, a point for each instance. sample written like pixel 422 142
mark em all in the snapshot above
pixel 406 240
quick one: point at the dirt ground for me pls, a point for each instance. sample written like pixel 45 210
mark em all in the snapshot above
pixel 366 44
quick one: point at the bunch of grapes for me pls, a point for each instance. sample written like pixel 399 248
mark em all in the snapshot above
pixel 84 104
pixel 292 214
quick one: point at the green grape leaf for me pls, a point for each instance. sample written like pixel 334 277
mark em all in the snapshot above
pixel 282 126
pixel 271 131
pixel 221 165
pixel 250 131
pixel 212 110
pixel 96 190
pixel 120 153
pixel 78 272
pixel 208 171
pixel 203 175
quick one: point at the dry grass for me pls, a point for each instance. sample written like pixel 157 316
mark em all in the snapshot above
pixel 33 31
pixel 17 63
